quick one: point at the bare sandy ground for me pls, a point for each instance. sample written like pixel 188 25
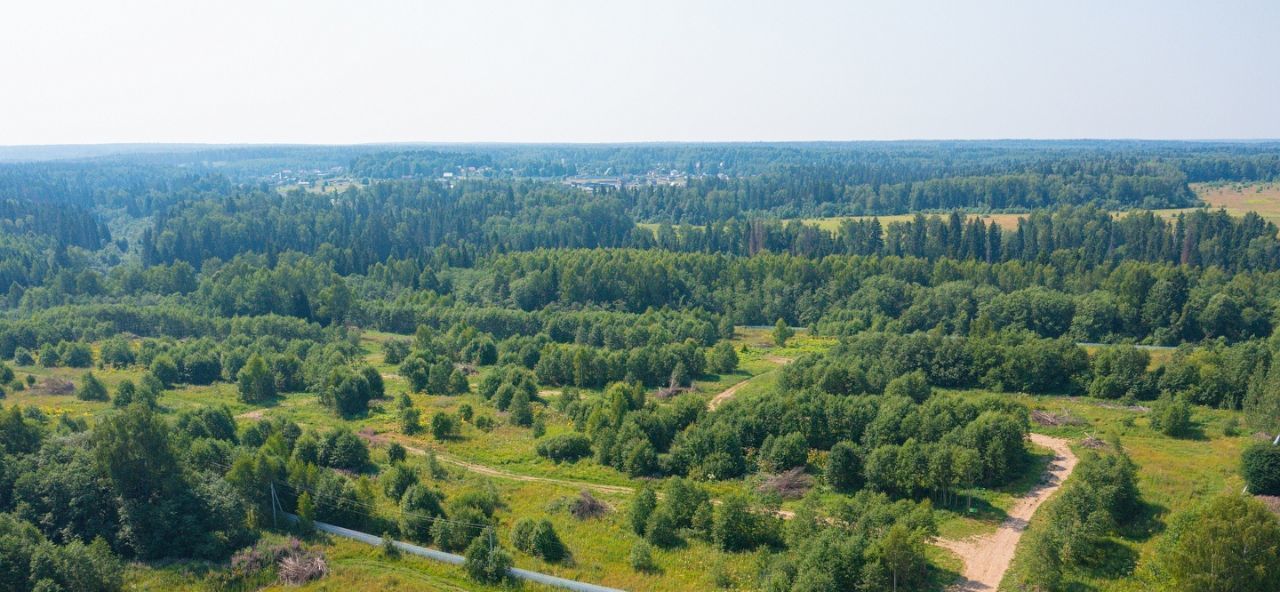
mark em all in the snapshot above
pixel 986 558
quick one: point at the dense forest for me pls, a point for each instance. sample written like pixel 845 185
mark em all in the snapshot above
pixel 353 305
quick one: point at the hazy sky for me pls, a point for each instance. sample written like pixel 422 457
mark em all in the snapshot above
pixel 320 71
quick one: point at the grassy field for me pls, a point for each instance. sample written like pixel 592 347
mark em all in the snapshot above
pixel 1005 221
pixel 1239 198
pixel 832 224
pixel 1236 198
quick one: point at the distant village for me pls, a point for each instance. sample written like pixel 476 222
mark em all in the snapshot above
pixel 338 178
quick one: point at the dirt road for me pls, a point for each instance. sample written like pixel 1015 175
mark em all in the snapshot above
pixel 986 558
pixel 727 394
pixel 509 476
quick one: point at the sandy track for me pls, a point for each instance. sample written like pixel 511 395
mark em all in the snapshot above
pixel 724 396
pixel 986 558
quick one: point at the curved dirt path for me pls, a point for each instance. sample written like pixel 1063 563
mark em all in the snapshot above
pixel 987 557
pixel 725 395
pixel 508 475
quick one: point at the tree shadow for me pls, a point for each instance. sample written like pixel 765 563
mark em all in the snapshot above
pixel 979 509
pixel 1031 474
pixel 1078 587
pixel 1194 432
pixel 1113 561
pixel 941 578
pixel 1146 523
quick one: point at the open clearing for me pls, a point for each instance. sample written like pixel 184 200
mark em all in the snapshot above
pixel 1005 221
pixel 1240 198
pixel 727 394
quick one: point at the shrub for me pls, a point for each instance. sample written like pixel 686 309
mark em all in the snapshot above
pixel 1231 427
pixel 546 543
pixel 347 392
pixel 389 548
pixel 419 508
pixel 538 539
pixel 1260 465
pixel 342 449
pixel 703 520
pixel 50 356
pixel 458 384
pixel 22 357
pixel 521 410
pixel 720 576
pixel 396 481
pixel 1172 417
pixel 410 422
pixel 443 426
pixel 565 447
pixel 395 453
pixel 306 513
pixel 736 527
pixel 377 388
pixel 433 466
pixel 722 359
pixel 781 333
pixel 125 393
pixel 255 381
pixel 522 535
pixel 91 389
pixel 456 536
pixel 164 369
pixel 117 353
pixel 77 355
pixel 641 508
pixel 485 561
pixel 641 557
pixel 780 453
pixel 661 529
pixel 395 351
